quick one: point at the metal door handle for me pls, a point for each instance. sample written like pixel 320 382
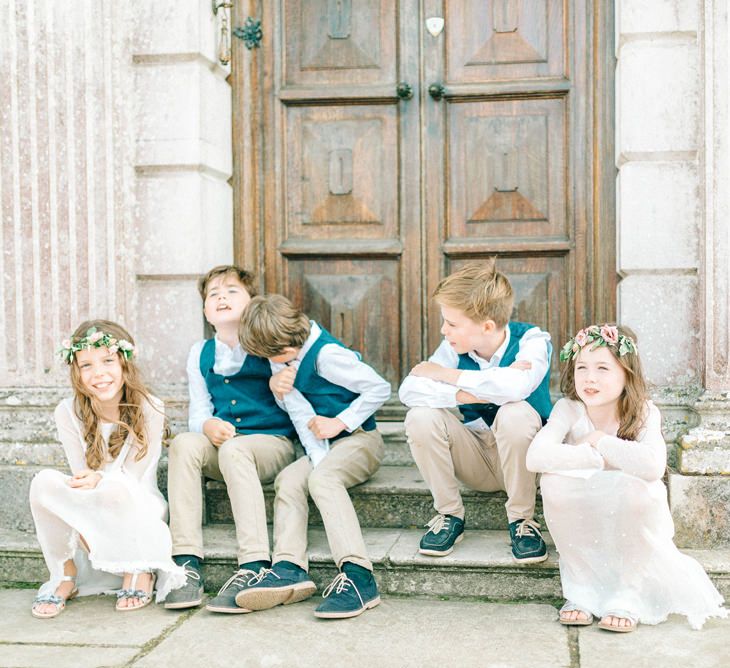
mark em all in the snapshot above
pixel 436 91
pixel 404 90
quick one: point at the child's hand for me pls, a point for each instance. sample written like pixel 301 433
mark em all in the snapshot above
pixel 323 427
pixel 521 365
pixel 436 372
pixel 282 382
pixel 86 479
pixel 218 431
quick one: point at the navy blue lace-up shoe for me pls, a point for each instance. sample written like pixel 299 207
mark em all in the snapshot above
pixel 444 531
pixel 350 594
pixel 282 584
pixel 527 543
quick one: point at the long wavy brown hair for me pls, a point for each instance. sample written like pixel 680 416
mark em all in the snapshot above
pixel 131 405
pixel 632 411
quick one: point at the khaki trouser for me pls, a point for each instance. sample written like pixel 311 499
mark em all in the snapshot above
pixel 447 452
pixel 351 460
pixel 243 462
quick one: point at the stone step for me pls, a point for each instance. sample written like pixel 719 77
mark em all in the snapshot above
pixel 481 566
pixel 395 497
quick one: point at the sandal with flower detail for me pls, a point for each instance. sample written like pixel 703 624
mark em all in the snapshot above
pixel 145 597
pixel 58 601
pixel 633 622
pixel 569 606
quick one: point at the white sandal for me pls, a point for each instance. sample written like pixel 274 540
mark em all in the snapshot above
pixel 619 614
pixel 569 606
pixel 132 592
pixel 55 599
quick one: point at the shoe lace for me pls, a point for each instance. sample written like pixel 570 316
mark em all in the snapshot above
pixel 439 523
pixel 191 573
pixel 528 528
pixel 340 584
pixel 257 577
pixel 239 579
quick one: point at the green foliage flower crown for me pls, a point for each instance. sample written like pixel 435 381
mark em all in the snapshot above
pixel 596 336
pixel 95 338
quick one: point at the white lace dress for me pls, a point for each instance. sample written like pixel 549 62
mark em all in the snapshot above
pixel 122 519
pixel 607 512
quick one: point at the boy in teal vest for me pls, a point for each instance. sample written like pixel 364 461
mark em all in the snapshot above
pixel 237 434
pixel 497 374
pixel 331 397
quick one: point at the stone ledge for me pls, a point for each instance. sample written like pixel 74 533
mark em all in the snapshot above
pixel 705 451
pixel 480 567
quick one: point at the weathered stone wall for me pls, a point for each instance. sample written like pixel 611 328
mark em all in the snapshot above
pixel 115 155
pixel 674 235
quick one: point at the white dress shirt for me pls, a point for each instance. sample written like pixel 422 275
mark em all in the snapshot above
pixel 342 367
pixel 492 383
pixel 228 361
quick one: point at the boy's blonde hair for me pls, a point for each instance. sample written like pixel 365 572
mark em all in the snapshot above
pixel 480 291
pixel 246 278
pixel 271 323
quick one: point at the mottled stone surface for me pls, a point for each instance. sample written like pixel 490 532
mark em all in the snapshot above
pixel 653 191
pixel 396 496
pixel 656 16
pixel 705 451
pixel 402 633
pixel 672 644
pixel 701 510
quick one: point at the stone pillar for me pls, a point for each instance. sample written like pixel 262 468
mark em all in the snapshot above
pixel 183 161
pixel 700 493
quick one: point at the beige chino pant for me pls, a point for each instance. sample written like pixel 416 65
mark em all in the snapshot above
pixel 351 460
pixel 243 462
pixel 447 452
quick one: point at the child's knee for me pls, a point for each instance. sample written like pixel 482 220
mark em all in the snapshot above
pixel 188 446
pixel 42 483
pixel 236 451
pixel 423 421
pixel 519 418
pixel 321 481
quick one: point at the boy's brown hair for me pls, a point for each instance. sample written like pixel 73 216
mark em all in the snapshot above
pixel 245 277
pixel 271 323
pixel 480 291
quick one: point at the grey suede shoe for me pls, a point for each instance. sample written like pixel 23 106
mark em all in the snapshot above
pixel 225 601
pixel 189 595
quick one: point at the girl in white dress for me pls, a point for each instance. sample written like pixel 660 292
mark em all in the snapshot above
pixel 104 527
pixel 602 457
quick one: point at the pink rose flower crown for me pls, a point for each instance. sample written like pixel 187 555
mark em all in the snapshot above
pixel 95 338
pixel 596 336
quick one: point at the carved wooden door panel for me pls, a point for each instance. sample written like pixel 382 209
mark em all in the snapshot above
pixel 508 146
pixel 354 200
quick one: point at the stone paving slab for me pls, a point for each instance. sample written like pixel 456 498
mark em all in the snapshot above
pixel 672 644
pixel 61 656
pixel 401 633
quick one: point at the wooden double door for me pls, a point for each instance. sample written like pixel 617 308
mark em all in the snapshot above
pixel 381 144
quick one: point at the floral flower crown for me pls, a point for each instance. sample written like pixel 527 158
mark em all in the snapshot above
pixel 605 335
pixel 95 338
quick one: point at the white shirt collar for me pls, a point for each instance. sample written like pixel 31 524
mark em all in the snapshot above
pixel 314 332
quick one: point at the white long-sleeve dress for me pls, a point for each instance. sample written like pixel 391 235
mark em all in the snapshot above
pixel 122 520
pixel 607 511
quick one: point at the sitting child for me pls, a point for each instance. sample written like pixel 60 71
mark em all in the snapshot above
pixel 104 527
pixel 237 434
pixel 331 396
pixel 497 374
pixel 602 457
